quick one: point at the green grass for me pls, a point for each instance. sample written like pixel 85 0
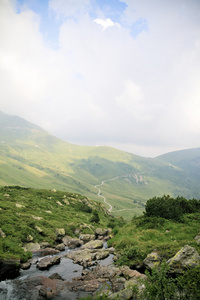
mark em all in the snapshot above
pixel 22 209
pixel 144 235
pixel 31 157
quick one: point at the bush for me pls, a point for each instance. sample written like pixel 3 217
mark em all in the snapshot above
pixel 95 217
pixel 162 287
pixel 170 208
pixel 188 284
pixel 83 207
pixel 131 256
pixel 159 285
pixel 118 222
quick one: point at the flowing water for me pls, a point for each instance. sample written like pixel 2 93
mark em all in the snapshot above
pixel 66 269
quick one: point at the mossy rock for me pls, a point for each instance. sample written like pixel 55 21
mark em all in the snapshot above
pixel 184 259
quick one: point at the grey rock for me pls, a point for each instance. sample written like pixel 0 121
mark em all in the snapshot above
pixel 152 260
pixel 197 239
pixel 184 259
pixel 101 232
pixel 44 245
pixel 47 262
pixel 87 237
pixel 72 243
pixel 56 276
pixel 49 251
pixel 2 234
pixel 96 244
pixel 60 247
pixel 26 266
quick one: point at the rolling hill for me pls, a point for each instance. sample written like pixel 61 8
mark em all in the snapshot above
pixel 31 157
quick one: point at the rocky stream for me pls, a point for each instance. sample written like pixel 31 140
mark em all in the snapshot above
pixel 78 267
pixel 73 269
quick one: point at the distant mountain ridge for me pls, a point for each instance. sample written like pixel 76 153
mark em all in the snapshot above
pixel 30 156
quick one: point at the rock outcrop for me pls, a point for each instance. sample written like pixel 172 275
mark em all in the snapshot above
pixel 96 244
pixel 184 259
pixel 9 269
pixel 72 243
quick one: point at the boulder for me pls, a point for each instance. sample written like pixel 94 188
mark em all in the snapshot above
pixel 39 287
pixel 32 247
pixel 49 251
pixel 102 254
pixel 56 276
pixel 197 239
pixel 2 234
pixel 60 233
pixel 128 273
pixel 87 237
pixel 44 245
pixel 72 243
pixel 111 250
pixel 152 260
pixel 39 229
pixel 96 244
pixel 87 286
pixel 60 247
pixel 101 232
pixel 29 238
pixel 59 203
pixel 87 257
pixel 184 259
pixel 19 205
pixel 47 262
pixel 104 272
pixel 118 284
pixel 125 294
pixel 135 284
pixel 82 257
pixel 37 218
pixel 66 201
pixel 26 266
pixel 9 269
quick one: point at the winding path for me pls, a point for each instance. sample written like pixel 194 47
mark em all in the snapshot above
pixel 104 198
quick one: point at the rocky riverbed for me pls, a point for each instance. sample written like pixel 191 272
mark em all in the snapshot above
pixel 78 267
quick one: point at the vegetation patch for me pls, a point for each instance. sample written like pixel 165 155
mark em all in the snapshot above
pixel 28 214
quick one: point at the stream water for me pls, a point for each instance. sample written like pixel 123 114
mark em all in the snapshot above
pixel 66 269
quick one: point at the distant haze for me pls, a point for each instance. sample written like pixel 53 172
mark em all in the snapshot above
pixel 104 72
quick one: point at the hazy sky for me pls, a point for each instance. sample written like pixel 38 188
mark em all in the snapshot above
pixel 123 73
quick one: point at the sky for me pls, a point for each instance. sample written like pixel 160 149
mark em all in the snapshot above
pixel 119 73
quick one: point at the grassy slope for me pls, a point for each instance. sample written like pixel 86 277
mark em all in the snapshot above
pixel 142 236
pixel 41 208
pixel 29 156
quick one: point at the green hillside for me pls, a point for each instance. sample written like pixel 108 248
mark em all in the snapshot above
pixel 37 213
pixel 31 157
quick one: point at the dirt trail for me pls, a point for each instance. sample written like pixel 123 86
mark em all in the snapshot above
pixel 104 198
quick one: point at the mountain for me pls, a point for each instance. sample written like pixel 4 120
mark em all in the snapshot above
pixel 31 157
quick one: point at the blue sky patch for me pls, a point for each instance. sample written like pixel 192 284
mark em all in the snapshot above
pixel 49 27
pixel 112 9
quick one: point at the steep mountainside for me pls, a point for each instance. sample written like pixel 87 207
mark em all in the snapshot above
pixel 31 157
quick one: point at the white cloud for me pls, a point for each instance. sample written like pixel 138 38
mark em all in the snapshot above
pixel 132 100
pixel 106 23
pixel 104 85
